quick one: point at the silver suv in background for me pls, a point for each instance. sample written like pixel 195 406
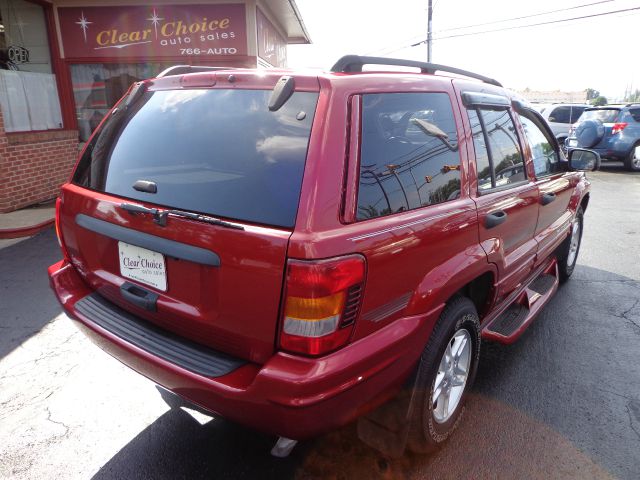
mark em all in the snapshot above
pixel 560 116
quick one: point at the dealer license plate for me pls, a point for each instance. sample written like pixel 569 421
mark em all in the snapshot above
pixel 142 265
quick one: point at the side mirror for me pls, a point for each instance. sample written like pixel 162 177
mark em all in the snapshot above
pixel 583 160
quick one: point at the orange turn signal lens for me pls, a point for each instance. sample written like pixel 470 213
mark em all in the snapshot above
pixel 314 308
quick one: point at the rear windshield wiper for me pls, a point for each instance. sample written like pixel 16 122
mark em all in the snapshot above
pixel 160 216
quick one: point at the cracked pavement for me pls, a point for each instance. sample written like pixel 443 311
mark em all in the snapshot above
pixel 563 402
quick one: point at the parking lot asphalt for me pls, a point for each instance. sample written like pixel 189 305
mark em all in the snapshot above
pixel 563 402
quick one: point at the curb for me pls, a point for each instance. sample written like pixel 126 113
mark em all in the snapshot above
pixel 27 231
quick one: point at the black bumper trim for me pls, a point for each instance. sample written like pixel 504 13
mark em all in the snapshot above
pixel 168 346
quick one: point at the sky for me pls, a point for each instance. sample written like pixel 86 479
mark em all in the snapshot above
pixel 600 52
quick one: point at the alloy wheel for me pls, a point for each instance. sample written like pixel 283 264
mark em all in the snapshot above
pixel 452 376
pixel 575 243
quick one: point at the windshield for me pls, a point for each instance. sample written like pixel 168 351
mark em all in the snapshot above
pixel 605 115
pixel 218 152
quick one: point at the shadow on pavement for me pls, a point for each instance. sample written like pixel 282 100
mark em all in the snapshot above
pixel 177 446
pixel 616 167
pixel 553 405
pixel 26 302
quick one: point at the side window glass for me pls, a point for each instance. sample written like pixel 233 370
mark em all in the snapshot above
pixel 560 115
pixel 504 149
pixel 409 155
pixel 575 113
pixel 545 158
pixel 635 113
pixel 482 155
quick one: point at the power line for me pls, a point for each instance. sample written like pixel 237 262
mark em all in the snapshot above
pixel 550 22
pixel 575 7
pixel 391 49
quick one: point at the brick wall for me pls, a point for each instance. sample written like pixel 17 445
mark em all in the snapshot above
pixel 33 165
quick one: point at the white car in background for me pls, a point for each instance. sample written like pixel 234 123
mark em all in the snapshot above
pixel 560 116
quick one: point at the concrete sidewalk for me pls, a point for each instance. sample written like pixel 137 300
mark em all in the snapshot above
pixel 26 222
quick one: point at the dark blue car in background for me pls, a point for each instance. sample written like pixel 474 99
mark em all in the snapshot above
pixel 613 131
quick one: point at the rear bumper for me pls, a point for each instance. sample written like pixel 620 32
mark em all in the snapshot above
pixel 292 396
pixel 613 149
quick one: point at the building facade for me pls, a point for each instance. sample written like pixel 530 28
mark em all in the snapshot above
pixel 64 64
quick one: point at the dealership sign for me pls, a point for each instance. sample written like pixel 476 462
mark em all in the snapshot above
pixel 151 32
pixel 271 46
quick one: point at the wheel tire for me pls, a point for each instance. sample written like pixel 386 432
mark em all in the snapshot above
pixel 426 433
pixel 571 247
pixel 632 162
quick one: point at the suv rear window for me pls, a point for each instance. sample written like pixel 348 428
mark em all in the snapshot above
pixel 605 115
pixel 217 152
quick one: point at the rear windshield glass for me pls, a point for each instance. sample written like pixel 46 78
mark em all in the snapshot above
pixel 218 152
pixel 605 115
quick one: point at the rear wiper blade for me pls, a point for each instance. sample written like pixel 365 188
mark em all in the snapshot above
pixel 203 218
pixel 160 216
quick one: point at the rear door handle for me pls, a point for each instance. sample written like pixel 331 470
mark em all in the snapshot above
pixel 494 219
pixel 547 198
pixel 139 296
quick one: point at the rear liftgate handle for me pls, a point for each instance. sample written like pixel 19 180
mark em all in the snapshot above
pixel 547 198
pixel 494 219
pixel 139 296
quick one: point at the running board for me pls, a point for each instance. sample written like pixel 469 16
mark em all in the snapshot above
pixel 511 322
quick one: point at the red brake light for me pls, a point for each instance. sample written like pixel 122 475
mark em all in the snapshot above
pixel 321 303
pixel 618 127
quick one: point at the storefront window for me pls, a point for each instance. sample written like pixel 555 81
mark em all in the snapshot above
pixel 98 86
pixel 28 91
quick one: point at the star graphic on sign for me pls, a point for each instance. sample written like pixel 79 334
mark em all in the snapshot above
pixel 84 25
pixel 155 20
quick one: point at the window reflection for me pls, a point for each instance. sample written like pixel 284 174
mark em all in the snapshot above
pixel 506 156
pixel 220 152
pixel 545 158
pixel 409 155
pixel 97 87
pixel 483 166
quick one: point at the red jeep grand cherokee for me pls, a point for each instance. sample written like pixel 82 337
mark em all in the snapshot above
pixel 292 250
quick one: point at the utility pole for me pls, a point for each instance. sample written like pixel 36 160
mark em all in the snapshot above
pixel 429 30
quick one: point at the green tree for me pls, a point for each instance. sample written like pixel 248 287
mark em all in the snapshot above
pixel 599 101
pixel 632 97
pixel 592 93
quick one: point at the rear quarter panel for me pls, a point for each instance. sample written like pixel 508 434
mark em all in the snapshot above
pixel 416 259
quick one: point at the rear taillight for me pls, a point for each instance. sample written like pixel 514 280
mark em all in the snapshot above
pixel 321 303
pixel 59 231
pixel 618 127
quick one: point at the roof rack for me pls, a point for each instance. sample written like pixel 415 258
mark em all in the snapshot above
pixel 182 69
pixel 354 63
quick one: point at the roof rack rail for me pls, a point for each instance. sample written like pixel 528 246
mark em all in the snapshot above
pixel 354 63
pixel 182 69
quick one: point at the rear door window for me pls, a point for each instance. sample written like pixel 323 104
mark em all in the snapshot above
pixel 212 151
pixel 560 115
pixel 409 155
pixel 499 160
pixel 575 113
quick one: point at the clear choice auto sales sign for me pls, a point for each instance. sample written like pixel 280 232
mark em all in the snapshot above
pixel 151 32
